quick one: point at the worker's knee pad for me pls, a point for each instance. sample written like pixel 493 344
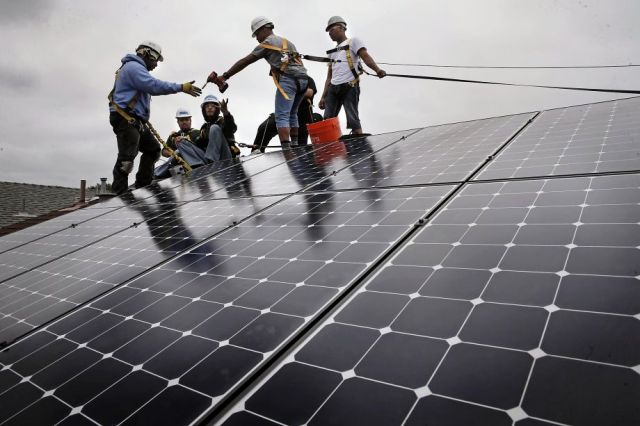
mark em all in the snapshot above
pixel 126 166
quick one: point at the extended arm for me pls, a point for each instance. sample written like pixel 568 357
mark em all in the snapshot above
pixel 239 66
pixel 367 59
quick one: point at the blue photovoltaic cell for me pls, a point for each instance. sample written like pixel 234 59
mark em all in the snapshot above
pixel 199 324
pixel 518 300
pixel 592 138
pixel 447 153
pixel 376 280
pixel 49 290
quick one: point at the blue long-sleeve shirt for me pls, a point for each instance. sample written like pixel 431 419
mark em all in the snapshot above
pixel 134 78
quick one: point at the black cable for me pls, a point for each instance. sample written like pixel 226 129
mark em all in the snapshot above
pixel 459 80
pixel 511 67
pixel 325 59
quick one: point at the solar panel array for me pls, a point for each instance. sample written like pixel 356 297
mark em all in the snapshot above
pixel 471 273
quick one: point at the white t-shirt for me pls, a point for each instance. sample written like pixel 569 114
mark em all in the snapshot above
pixel 340 71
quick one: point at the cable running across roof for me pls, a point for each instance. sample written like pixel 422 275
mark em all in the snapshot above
pixel 460 80
pixel 512 67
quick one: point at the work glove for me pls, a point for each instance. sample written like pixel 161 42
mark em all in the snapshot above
pixel 191 89
pixel 235 151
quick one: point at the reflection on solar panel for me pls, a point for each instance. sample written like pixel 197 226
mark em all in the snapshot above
pixel 593 138
pixel 49 227
pixel 366 282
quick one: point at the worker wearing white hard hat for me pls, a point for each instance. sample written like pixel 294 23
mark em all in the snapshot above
pixel 130 106
pixel 287 71
pixel 342 86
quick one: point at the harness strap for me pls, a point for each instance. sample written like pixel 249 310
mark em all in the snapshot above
pixel 356 72
pixel 130 105
pixel 280 89
pixel 287 55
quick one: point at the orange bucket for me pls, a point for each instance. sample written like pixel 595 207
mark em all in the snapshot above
pixel 324 131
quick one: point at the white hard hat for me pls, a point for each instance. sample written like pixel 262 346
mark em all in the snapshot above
pixel 258 23
pixel 183 113
pixel 335 20
pixel 210 99
pixel 155 47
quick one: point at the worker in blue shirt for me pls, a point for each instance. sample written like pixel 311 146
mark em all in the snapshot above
pixel 129 106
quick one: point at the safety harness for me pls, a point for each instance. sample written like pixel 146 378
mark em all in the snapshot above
pixel 131 120
pixel 355 71
pixel 130 105
pixel 287 56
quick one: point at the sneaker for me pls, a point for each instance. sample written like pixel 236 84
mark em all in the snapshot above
pixel 255 151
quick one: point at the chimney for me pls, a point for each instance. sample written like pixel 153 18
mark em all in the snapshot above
pixel 83 190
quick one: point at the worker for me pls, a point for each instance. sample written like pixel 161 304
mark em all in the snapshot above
pixel 287 71
pixel 129 106
pixel 217 134
pixel 267 130
pixel 183 143
pixel 342 86
pixel 185 133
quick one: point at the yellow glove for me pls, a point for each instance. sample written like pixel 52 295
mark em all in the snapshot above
pixel 235 151
pixel 191 89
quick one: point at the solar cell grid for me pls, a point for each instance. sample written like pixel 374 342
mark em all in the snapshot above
pixel 593 138
pixel 517 303
pixel 195 327
pixel 499 309
pixel 48 227
pixel 33 254
pixel 47 291
pixel 447 153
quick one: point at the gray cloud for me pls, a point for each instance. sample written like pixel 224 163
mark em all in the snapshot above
pixel 22 12
pixel 16 81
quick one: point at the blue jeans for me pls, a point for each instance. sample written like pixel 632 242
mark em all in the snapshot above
pixel 343 95
pixel 287 110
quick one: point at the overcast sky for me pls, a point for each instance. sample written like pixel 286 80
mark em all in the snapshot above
pixel 59 56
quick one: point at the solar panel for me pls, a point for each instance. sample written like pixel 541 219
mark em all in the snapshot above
pixel 592 138
pixel 51 289
pixel 48 227
pixel 515 302
pixel 403 278
pixel 35 253
pixel 447 153
pixel 229 304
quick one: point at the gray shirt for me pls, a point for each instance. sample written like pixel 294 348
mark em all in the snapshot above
pixel 274 57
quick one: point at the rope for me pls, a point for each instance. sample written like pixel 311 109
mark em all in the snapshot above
pixel 513 67
pixel 460 80
pixel 172 153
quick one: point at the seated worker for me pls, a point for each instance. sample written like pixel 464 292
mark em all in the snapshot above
pixel 182 142
pixel 217 138
pixel 267 130
pixel 186 133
